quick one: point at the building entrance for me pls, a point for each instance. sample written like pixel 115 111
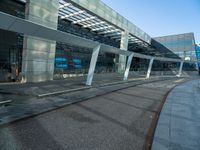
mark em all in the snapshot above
pixel 10 56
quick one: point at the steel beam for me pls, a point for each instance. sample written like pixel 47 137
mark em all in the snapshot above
pixel 109 31
pixel 150 67
pixel 93 62
pixel 102 28
pixel 73 14
pixel 112 34
pixel 84 20
pixel 180 69
pixel 94 24
pixel 64 5
pixel 128 65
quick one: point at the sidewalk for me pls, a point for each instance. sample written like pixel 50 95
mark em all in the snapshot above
pixel 62 86
pixel 179 123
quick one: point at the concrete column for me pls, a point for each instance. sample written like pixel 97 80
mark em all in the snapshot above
pixel 180 69
pixel 149 68
pixel 38 53
pixel 93 62
pixel 123 46
pixel 128 66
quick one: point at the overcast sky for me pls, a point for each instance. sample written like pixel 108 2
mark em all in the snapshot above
pixel 161 17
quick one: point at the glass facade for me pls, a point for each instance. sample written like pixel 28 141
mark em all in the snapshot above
pixel 70 59
pixel 11 44
pixel 182 45
pixel 198 55
pixel 75 61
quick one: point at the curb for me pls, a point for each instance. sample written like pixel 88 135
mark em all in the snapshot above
pixel 152 129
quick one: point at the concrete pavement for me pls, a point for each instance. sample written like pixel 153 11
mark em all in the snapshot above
pixel 118 120
pixel 179 123
pixel 24 105
pixel 62 86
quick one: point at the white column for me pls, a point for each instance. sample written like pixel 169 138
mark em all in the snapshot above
pixel 123 46
pixel 128 65
pixel 180 69
pixel 149 68
pixel 93 62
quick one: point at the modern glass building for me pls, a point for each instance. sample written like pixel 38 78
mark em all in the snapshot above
pixel 181 44
pixel 40 59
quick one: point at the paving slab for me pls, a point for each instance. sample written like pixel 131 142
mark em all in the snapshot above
pixel 179 123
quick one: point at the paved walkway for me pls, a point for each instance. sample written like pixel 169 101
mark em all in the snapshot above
pixel 44 88
pixel 25 105
pixel 179 123
pixel 118 120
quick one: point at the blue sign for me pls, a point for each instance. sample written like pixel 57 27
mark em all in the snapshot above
pixel 61 62
pixel 77 63
pixel 62 66
pixel 198 54
pixel 60 59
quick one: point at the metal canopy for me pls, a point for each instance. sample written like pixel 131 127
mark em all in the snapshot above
pixel 83 17
pixel 15 24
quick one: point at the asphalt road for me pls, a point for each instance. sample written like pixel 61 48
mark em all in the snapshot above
pixel 116 121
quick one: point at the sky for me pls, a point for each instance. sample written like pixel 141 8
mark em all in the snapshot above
pixel 161 17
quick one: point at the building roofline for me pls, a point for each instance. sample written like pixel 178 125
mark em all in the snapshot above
pixel 173 35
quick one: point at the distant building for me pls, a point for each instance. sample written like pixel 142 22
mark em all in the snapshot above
pixel 181 44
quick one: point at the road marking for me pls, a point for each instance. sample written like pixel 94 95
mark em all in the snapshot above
pixel 5 102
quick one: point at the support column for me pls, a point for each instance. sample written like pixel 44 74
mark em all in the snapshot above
pixel 39 54
pixel 150 67
pixel 123 46
pixel 180 69
pixel 128 66
pixel 93 62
